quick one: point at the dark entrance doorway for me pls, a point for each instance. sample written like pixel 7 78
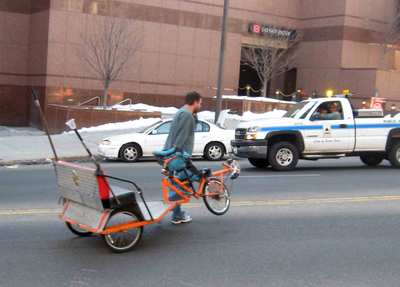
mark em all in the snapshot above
pixel 290 81
pixel 249 83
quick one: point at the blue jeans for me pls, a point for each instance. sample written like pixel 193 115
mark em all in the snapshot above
pixel 177 211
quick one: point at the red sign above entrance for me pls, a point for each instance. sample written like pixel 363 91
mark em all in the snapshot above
pixel 271 31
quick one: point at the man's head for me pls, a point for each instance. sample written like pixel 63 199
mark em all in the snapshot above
pixel 332 107
pixel 193 101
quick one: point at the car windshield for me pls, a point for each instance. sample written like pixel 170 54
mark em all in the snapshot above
pixel 293 111
pixel 142 130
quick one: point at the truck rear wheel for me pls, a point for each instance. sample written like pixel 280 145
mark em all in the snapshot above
pixel 371 159
pixel 394 155
pixel 259 162
pixel 283 156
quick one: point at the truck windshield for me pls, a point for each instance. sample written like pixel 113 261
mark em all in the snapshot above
pixel 293 111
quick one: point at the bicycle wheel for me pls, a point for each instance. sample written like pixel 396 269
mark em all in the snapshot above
pixel 125 240
pixel 216 197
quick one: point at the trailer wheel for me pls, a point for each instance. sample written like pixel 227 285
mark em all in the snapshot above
pixel 394 155
pixel 372 159
pixel 125 240
pixel 75 229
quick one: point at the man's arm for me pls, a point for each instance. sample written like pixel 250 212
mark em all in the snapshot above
pixel 184 130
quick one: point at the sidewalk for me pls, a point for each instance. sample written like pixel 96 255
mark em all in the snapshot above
pixel 29 146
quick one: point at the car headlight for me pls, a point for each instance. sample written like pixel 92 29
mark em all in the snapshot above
pixel 105 142
pixel 251 133
pixel 252 129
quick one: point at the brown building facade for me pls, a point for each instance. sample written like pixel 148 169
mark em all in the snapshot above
pixel 40 40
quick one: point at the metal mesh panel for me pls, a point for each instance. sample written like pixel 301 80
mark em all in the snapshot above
pixel 79 184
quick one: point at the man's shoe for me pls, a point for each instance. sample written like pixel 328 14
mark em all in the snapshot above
pixel 184 219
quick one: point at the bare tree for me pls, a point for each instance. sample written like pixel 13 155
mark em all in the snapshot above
pixel 270 57
pixel 108 45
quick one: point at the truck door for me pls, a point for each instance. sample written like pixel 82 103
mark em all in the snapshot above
pixel 333 129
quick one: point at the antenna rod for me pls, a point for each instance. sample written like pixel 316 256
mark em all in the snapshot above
pixel 44 121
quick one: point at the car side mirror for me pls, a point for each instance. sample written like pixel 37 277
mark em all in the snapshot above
pixel 71 124
pixel 154 132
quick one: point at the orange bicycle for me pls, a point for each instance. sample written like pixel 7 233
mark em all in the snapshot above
pixel 211 185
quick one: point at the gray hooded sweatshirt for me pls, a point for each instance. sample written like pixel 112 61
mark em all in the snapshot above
pixel 181 134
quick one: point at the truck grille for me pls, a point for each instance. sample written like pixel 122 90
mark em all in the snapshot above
pixel 240 134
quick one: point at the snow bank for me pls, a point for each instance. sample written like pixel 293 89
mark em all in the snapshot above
pixel 134 124
pixel 146 108
pixel 227 120
pixel 275 114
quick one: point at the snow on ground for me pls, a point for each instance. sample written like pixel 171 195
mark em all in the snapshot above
pixel 134 124
pixel 256 99
pixel 227 119
pixel 146 108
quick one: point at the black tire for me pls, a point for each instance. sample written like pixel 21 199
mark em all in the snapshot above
pixel 223 197
pixel 283 156
pixel 214 151
pixel 372 159
pixel 394 155
pixel 130 152
pixel 259 162
pixel 77 230
pixel 123 241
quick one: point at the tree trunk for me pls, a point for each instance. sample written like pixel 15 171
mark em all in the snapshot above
pixel 105 95
pixel 265 89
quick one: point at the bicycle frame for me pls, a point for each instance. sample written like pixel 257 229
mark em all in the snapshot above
pixel 166 186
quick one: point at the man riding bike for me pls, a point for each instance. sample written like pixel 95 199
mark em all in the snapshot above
pixel 181 137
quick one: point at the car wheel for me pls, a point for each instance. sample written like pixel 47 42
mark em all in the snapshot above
pixel 283 156
pixel 214 151
pixel 259 162
pixel 130 152
pixel 394 155
pixel 371 159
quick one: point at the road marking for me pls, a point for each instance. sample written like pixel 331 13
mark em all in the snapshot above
pixel 272 202
pixel 280 175
pixel 36 211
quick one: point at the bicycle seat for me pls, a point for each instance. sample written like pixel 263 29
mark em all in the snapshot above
pixel 164 153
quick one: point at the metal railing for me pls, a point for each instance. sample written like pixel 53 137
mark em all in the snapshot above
pixel 90 100
pixel 124 101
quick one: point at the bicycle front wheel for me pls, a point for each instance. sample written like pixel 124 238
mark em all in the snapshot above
pixel 216 196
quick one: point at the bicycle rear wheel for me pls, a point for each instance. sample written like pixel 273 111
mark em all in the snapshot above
pixel 216 196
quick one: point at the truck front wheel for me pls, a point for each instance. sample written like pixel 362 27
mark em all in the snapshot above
pixel 283 156
pixel 394 155
pixel 259 162
pixel 371 159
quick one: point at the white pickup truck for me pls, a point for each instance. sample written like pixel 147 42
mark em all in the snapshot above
pixel 317 129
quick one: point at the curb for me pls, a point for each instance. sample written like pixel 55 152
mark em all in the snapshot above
pixel 41 161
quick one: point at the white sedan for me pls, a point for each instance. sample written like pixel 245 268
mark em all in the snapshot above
pixel 211 142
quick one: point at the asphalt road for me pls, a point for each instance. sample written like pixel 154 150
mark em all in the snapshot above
pixel 329 223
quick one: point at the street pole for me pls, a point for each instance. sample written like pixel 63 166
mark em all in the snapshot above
pixel 221 61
